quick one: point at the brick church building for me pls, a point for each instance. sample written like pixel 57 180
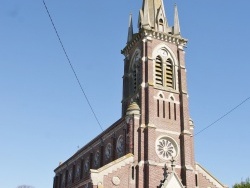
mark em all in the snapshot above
pixel 152 144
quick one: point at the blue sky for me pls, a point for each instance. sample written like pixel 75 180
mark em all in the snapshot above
pixel 44 116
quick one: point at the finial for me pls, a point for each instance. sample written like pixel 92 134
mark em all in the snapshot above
pixel 165 175
pixel 133 108
pixel 150 15
pixel 177 30
pixel 165 172
pixel 172 163
pixel 130 28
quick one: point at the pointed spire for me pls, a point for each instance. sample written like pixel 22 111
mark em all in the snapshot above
pixel 163 8
pixel 153 16
pixel 130 29
pixel 177 30
pixel 146 21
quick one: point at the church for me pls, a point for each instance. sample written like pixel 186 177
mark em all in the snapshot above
pixel 152 144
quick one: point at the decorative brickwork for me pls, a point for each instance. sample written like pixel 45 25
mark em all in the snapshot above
pixel 152 144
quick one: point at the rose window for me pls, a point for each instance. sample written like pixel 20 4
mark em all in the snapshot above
pixel 166 148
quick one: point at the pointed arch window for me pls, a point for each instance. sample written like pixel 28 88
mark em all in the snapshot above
pixel 135 75
pixel 164 71
pixel 134 79
pixel 158 71
pixel 161 25
pixel 169 73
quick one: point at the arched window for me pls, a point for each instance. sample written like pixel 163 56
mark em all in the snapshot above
pixel 164 70
pixel 169 73
pixel 161 25
pixel 135 73
pixel 134 79
pixel 158 71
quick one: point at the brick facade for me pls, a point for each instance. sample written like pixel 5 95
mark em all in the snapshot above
pixel 155 129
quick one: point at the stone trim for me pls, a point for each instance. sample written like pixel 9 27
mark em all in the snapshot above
pixel 149 34
pixel 172 181
pixel 98 175
pixel 169 132
pixel 166 37
pixel 209 176
pixel 92 144
pixel 84 183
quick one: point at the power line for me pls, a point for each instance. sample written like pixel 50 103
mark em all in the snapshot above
pixel 72 68
pixel 220 118
pixel 79 83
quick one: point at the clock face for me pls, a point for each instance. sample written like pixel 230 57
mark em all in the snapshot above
pixel 163 52
pixel 120 146
pixel 108 150
pixel 136 56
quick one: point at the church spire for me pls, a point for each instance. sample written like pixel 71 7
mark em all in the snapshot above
pixel 177 30
pixel 130 29
pixel 146 19
pixel 152 16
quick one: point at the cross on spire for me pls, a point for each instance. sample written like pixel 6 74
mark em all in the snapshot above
pixel 172 164
pixel 165 172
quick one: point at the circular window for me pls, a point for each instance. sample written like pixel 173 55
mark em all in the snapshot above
pixel 166 148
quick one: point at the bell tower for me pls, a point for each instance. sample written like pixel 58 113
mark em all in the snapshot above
pixel 151 145
pixel 155 79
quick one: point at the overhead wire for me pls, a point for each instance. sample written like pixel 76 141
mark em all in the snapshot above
pixel 71 66
pixel 220 118
pixel 80 85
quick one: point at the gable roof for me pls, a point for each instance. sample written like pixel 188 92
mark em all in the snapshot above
pixel 209 176
pixel 172 181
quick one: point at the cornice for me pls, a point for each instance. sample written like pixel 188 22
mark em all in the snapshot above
pixel 92 144
pixel 131 44
pixel 150 34
pixel 209 176
pixel 175 39
pixel 98 175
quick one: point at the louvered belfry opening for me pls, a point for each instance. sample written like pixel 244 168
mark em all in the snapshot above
pixel 158 71
pixel 169 73
pixel 164 72
pixel 134 80
pixel 135 73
